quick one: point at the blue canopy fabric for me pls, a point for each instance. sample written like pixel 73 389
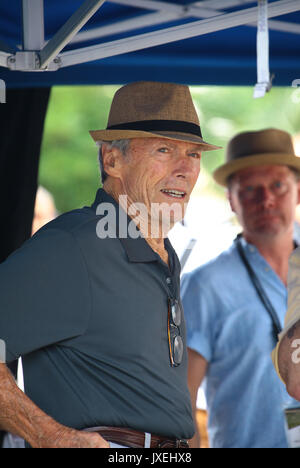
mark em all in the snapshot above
pixel 226 57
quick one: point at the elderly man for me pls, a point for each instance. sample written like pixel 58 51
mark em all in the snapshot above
pixel 235 305
pixel 96 295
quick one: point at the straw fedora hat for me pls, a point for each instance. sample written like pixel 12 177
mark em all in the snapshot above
pixel 153 110
pixel 261 148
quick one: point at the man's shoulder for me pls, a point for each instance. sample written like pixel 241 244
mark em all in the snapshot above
pixel 76 222
pixel 59 235
pixel 79 227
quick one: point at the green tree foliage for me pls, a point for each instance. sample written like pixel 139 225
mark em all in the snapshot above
pixel 69 158
pixel 69 165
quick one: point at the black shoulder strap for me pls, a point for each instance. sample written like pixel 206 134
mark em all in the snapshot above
pixel 259 289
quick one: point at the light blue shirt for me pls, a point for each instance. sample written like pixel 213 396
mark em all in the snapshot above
pixel 229 326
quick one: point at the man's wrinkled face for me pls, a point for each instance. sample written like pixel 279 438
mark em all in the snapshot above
pixel 159 171
pixel 264 199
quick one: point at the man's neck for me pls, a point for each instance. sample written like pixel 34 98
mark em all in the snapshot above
pixel 157 243
pixel 276 250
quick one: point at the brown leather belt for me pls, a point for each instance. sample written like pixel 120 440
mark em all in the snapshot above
pixel 135 439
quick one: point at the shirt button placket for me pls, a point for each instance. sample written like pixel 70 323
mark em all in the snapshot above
pixel 170 286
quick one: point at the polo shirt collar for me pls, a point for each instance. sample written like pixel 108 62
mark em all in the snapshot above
pixel 137 250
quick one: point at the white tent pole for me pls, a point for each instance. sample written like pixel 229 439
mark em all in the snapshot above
pixel 169 13
pixel 264 82
pixel 33 24
pixel 166 12
pixel 174 34
pixel 150 19
pixel 150 4
pixel 284 26
pixel 191 9
pixel 219 4
pixel 212 7
pixel 153 19
pixel 68 30
pixel 167 6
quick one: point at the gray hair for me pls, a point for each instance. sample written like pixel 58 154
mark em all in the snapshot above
pixel 122 145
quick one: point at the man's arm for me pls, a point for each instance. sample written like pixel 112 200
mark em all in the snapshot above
pixel 20 416
pixel 196 372
pixel 289 360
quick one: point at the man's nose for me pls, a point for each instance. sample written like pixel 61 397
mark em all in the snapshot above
pixel 265 196
pixel 185 166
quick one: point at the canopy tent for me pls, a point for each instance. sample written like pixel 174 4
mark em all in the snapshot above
pixel 48 42
pixel 52 42
pixel 105 42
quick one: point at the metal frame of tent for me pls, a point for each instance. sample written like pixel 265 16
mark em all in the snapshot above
pixel 38 55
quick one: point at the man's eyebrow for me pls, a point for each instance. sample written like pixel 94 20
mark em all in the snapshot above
pixel 194 148
pixel 165 141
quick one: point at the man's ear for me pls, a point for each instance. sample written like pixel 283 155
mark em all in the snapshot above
pixel 298 184
pixel 112 159
pixel 230 200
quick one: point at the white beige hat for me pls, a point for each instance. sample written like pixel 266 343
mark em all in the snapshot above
pixel 260 148
pixel 151 110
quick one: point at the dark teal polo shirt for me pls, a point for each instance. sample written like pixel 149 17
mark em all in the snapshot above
pixel 89 317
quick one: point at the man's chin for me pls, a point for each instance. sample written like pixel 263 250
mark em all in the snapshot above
pixel 267 230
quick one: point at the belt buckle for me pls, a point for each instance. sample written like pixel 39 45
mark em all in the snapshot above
pixel 181 443
pixel 178 443
pixel 167 443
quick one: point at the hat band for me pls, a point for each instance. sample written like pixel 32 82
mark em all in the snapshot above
pixel 160 126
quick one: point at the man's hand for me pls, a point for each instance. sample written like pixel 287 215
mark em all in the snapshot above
pixel 65 437
pixel 289 361
pixel 20 416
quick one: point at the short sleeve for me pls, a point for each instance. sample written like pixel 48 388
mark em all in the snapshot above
pixel 199 316
pixel 44 293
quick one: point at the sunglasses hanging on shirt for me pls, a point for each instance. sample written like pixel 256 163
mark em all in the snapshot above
pixel 174 338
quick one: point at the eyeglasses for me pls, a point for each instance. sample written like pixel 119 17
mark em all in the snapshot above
pixel 175 340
